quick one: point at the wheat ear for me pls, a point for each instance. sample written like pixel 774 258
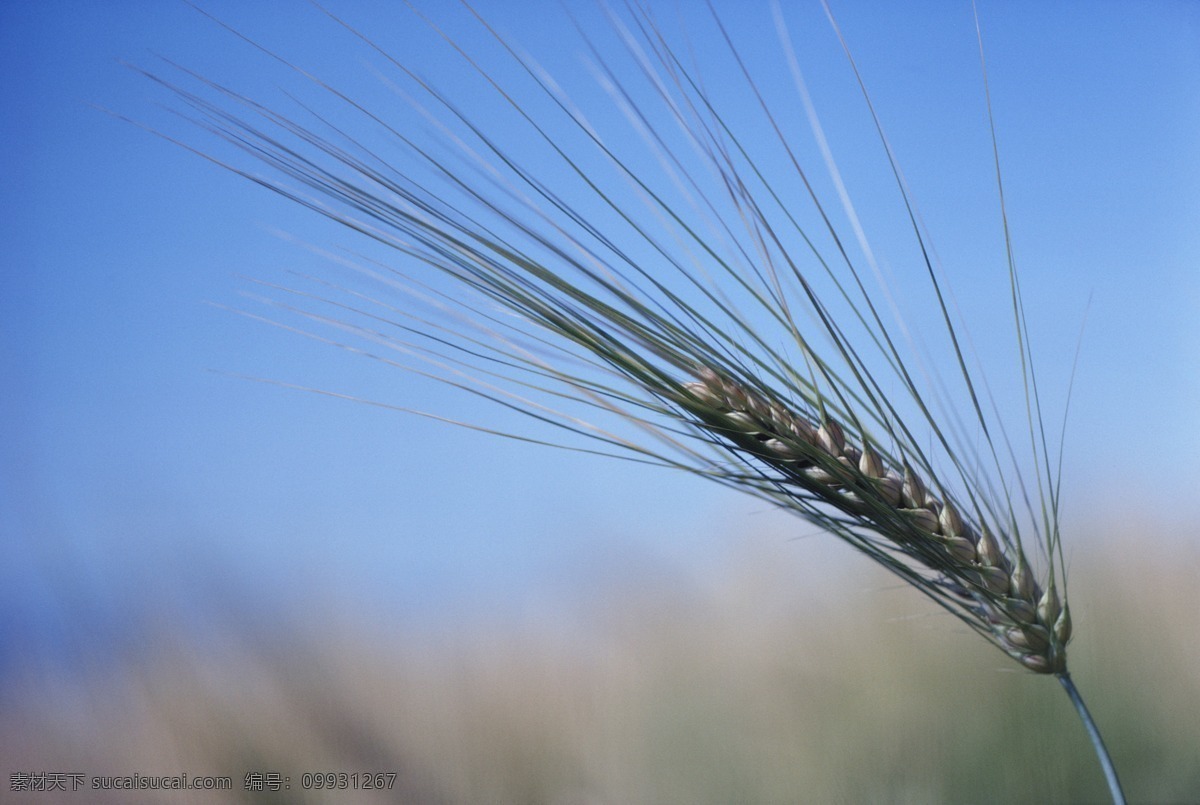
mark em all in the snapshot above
pixel 971 569
pixel 646 299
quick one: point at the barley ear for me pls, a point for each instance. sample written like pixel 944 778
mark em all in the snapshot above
pixel 959 563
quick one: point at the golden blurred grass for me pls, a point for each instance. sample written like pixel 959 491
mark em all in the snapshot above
pixel 762 682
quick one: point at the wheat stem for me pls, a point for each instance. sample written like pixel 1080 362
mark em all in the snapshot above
pixel 1093 733
pixel 1106 763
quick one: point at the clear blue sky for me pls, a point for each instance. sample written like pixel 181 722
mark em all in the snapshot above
pixel 131 476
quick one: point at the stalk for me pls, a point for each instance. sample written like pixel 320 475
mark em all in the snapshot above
pixel 1106 763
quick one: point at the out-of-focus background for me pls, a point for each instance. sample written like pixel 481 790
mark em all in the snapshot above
pixel 209 575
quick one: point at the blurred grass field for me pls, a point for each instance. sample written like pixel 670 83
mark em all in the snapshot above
pixel 762 681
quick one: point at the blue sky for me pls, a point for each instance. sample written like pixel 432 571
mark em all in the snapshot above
pixel 134 477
